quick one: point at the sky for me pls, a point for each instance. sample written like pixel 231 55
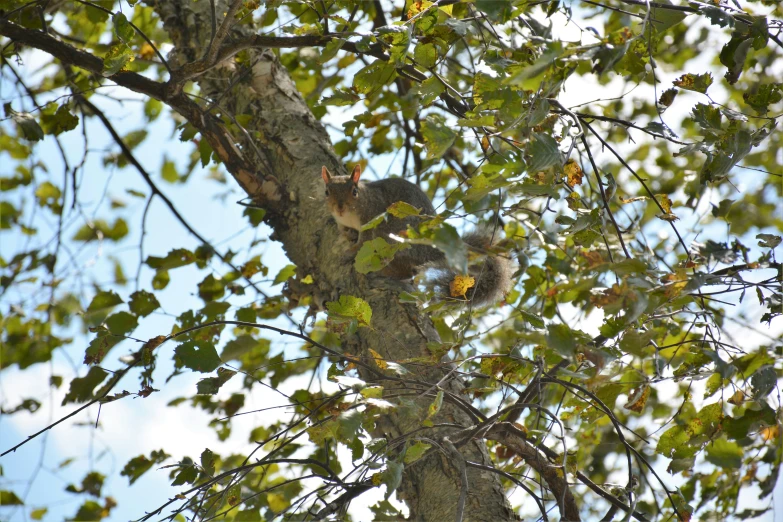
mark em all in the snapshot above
pixel 131 427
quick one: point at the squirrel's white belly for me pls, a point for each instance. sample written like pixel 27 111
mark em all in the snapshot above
pixel 349 221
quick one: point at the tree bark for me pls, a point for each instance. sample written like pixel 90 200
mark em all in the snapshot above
pixel 289 148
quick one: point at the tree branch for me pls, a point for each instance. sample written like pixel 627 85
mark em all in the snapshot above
pixel 223 144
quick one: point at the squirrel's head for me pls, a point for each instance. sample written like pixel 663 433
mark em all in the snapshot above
pixel 342 194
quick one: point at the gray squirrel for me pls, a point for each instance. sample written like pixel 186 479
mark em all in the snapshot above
pixel 354 203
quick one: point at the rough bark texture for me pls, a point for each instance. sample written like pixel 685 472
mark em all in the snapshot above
pixel 290 148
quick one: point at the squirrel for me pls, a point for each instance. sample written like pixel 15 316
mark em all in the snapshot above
pixel 354 203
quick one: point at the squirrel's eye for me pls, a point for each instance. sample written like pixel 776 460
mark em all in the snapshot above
pixel 355 192
pixel 327 192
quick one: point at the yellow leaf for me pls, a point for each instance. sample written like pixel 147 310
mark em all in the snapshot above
pixel 379 360
pixel 770 432
pixel 738 398
pixel 277 502
pixel 573 173
pixel 460 285
pixel 675 283
pixel 665 202
pixel 147 52
pixel 637 399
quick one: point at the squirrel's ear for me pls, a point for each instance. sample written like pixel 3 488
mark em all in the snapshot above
pixel 326 175
pixel 356 174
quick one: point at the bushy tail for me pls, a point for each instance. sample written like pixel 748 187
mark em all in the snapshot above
pixel 492 274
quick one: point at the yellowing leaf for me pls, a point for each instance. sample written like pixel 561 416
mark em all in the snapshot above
pixel 738 398
pixel 351 307
pixel 460 285
pixel 665 202
pixel 434 408
pixel 277 502
pixel 694 82
pixel 379 360
pixel 771 432
pixel 675 283
pixel 637 399
pixel 573 173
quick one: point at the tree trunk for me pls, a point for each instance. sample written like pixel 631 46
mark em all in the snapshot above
pixel 287 153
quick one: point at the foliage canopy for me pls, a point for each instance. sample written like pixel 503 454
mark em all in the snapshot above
pixel 627 152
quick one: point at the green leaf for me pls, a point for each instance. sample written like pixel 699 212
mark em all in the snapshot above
pixel 374 77
pixel 254 215
pixel 236 348
pixel 750 423
pixel 425 55
pixel 415 452
pixel 438 137
pixel 733 56
pixel 169 171
pixel 285 273
pixel 174 259
pixel 768 240
pixel 30 128
pixel 429 90
pixel 37 514
pixel 205 152
pixel 100 229
pixel 122 323
pixel 160 280
pixel 152 109
pixel 392 477
pixel 707 117
pixel 721 210
pixel 533 319
pixel 104 300
pixel 8 215
pixel 61 121
pixel 330 50
pixel 143 303
pixel 122 28
pixel 561 339
pixel 351 307
pixel 376 254
pixel 399 39
pixel 187 475
pixel 116 58
pixel 447 240
pixel 211 288
pixel 717 15
pixel 725 454
pixel 199 356
pixel 9 498
pixel 433 409
pixel 208 461
pixel 499 11
pixel 401 209
pixel 764 96
pixel 340 98
pixel 480 121
pixel 48 195
pixel 138 466
pixel 694 82
pixel 374 222
pixel 211 385
pixel 685 441
pixel 82 387
pixel 763 381
pixel 544 152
